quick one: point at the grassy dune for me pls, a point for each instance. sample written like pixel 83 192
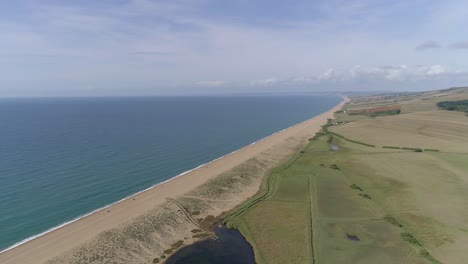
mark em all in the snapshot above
pixel 361 204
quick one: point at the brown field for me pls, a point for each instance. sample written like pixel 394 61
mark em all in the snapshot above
pixel 443 130
pixel 374 110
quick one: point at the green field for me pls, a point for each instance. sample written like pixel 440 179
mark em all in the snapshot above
pixel 362 204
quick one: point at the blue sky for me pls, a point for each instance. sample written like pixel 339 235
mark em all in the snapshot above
pixel 144 47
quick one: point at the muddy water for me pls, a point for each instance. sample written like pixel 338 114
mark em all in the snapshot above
pixel 230 248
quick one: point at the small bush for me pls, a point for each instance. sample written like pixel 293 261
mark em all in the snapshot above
pixel 435 150
pixel 355 187
pixel 334 166
pixel 428 256
pixel 200 235
pixel 196 230
pixel 391 147
pixel 410 238
pixel 208 222
pixel 413 149
pixel 177 244
pixel 392 221
pixel 168 251
pixel 365 195
pixel 156 260
pixel 424 253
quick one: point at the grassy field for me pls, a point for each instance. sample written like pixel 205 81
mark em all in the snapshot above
pixel 361 204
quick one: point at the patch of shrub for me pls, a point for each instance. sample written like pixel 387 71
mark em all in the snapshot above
pixel 428 256
pixel 435 150
pixel 385 113
pixel 317 135
pixel 413 149
pixel 355 187
pixel 410 238
pixel 461 105
pixel 392 221
pixel 324 129
pixel 196 230
pixel 156 260
pixel 200 235
pixel 391 147
pixel 208 222
pixel 168 251
pixel 365 195
pixel 177 244
pixel 334 166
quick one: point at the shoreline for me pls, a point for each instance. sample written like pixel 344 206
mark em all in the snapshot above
pixel 8 253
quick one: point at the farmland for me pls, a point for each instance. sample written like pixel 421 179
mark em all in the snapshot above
pixel 339 201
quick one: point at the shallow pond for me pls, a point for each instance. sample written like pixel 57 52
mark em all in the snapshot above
pixel 230 248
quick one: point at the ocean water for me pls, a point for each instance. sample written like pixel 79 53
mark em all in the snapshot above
pixel 62 158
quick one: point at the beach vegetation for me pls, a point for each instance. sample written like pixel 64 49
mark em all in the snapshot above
pixel 177 244
pixel 201 235
pixel 196 230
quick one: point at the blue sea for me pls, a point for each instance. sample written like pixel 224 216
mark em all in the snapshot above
pixel 61 158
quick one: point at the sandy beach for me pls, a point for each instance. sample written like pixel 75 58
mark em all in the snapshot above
pixel 63 241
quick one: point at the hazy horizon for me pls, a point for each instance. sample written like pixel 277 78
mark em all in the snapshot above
pixel 206 47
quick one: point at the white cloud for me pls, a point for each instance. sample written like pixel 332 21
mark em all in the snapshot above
pixel 327 75
pixel 211 83
pixel 159 44
pixel 428 45
pixel 401 72
pixel 435 70
pixel 410 74
pixel 265 82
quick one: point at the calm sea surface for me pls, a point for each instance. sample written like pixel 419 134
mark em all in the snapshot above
pixel 62 158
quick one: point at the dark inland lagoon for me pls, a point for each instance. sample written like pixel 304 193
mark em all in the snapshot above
pixel 62 158
pixel 230 248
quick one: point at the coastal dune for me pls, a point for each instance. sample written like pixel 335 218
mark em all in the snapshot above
pixel 107 229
